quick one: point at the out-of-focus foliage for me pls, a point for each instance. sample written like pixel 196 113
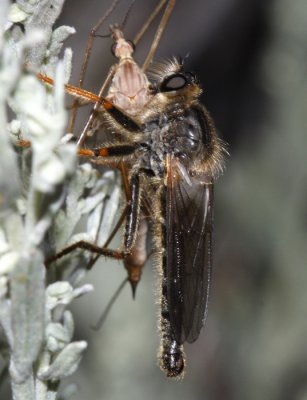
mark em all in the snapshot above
pixel 43 197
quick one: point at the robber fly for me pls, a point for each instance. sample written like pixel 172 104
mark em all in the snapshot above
pixel 172 156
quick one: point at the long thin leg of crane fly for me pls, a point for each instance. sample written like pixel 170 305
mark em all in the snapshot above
pixel 148 22
pixel 106 311
pixel 93 113
pixel 87 54
pixel 159 32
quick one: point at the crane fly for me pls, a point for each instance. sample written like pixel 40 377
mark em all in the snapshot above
pixel 167 143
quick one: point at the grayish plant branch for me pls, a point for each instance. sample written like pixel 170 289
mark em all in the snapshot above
pixel 43 196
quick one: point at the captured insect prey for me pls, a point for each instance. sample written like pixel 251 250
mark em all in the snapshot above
pixel 166 145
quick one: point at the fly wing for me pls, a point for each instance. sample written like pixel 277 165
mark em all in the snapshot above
pixel 188 251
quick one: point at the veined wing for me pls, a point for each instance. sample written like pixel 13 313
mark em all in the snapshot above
pixel 188 250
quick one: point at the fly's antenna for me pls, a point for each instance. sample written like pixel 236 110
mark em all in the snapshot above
pixel 123 24
pixel 106 311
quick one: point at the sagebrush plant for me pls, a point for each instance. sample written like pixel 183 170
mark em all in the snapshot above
pixel 44 194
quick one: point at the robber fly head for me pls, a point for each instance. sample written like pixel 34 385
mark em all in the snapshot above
pixel 170 80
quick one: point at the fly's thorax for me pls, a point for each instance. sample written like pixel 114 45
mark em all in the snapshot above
pixel 177 131
pixel 129 87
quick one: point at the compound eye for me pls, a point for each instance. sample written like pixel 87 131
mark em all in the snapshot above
pixel 173 82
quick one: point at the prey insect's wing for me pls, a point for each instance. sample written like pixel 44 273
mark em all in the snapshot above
pixel 188 252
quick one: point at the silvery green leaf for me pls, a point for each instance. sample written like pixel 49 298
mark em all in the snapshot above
pixel 80 291
pixel 5 316
pixel 41 387
pixel 3 18
pixel 63 229
pixel 51 172
pixel 58 289
pixel 59 35
pixel 32 38
pixel 27 287
pixel 37 233
pixel 58 332
pixel 44 15
pixel 16 14
pixel 3 287
pixel 65 363
pixel 52 345
pixel 68 323
pixel 14 127
pixel 22 389
pixel 9 183
pixel 108 209
pixel 15 231
pixel 29 103
pixel 9 73
pixel 89 174
pixel 66 223
pixel 67 62
pixel 58 293
pixel 27 5
pixel 67 153
pixel 4 245
pixel 66 138
pixel 21 204
pixel 8 262
pixel 52 394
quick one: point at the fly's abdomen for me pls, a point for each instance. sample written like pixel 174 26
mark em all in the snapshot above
pixel 172 358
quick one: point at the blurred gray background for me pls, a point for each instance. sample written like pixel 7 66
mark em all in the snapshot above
pixel 251 57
